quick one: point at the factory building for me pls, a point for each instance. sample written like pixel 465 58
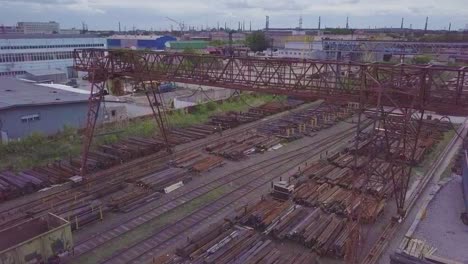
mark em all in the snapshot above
pixel 27 107
pixel 308 49
pixel 139 42
pixel 51 27
pixel 43 54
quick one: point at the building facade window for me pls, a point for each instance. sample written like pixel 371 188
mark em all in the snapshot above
pixel 30 118
pixel 39 56
pixel 52 46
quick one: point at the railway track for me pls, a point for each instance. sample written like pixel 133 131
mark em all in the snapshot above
pixel 268 167
pixel 22 211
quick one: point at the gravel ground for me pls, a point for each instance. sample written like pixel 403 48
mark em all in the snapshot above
pixel 442 227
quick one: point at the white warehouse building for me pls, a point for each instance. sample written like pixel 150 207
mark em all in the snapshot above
pixel 301 50
pixel 39 56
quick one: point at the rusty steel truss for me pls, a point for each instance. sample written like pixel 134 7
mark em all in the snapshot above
pixel 394 97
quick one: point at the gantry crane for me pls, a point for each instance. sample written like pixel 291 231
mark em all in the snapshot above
pixel 180 24
pixel 394 97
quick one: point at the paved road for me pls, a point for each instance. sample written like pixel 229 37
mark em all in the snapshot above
pixel 405 225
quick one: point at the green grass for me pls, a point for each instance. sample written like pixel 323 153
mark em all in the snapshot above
pixel 147 230
pixel 38 149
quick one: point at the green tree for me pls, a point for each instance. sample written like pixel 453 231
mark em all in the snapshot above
pixel 422 59
pixel 257 41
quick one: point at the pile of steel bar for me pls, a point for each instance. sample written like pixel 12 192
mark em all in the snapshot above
pixel 237 244
pixel 234 119
pixel 104 184
pixel 159 180
pixel 207 163
pixel 105 156
pixel 338 200
pixel 298 124
pixel 131 199
pixel 186 160
pixel 17 184
pixel 219 122
pixel 263 213
pixel 83 214
pixel 131 148
pixel 239 147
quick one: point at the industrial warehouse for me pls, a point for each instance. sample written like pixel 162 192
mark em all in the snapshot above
pixel 211 144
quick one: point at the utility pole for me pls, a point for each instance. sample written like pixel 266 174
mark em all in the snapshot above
pixel 425 26
pixel 320 18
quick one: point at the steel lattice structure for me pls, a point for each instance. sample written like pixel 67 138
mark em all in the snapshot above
pixel 394 97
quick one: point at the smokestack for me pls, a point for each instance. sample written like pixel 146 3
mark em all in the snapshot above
pixel 243 25
pixel 450 26
pixel 119 26
pixel 320 18
pixel 267 23
pixel 218 25
pixel 425 26
pixel 250 29
pixel 347 22
pixel 402 22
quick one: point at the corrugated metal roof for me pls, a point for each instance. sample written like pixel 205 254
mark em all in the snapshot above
pixel 46 36
pixel 14 93
pixel 189 44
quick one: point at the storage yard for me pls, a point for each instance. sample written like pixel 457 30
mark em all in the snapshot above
pixel 127 212
pixel 329 173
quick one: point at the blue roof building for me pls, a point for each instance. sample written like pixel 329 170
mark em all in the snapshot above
pixel 139 42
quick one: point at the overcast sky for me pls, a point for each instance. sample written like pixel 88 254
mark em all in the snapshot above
pixel 105 14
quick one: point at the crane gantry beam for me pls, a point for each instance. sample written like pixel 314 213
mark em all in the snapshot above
pixel 430 87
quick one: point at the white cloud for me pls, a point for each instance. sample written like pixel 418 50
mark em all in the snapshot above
pixel 282 12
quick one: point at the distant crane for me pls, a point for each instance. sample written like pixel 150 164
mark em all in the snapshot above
pixel 180 24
